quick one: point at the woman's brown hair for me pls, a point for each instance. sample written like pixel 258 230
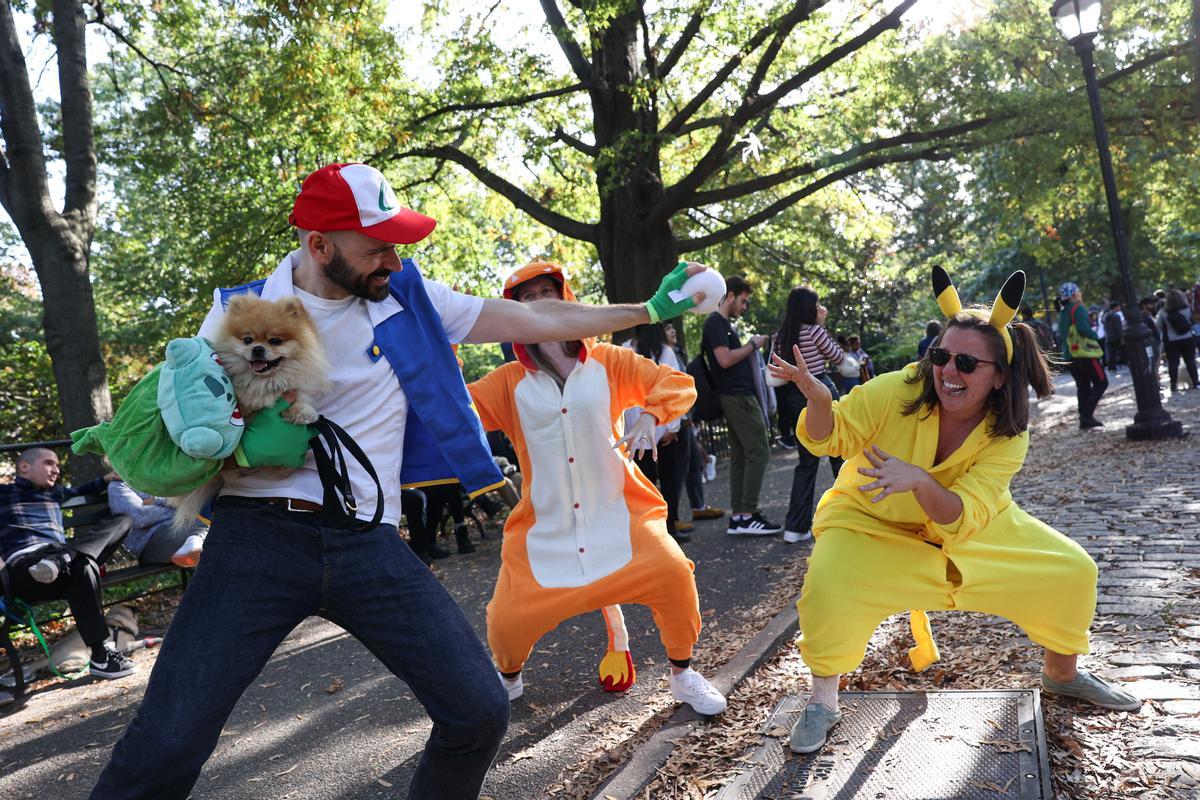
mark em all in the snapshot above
pixel 1009 404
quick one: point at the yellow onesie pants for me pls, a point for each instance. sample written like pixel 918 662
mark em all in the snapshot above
pixel 1017 567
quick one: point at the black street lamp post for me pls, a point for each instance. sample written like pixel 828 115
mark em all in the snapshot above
pixel 1078 21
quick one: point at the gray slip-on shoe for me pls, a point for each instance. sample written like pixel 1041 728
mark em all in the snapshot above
pixel 812 729
pixel 1090 689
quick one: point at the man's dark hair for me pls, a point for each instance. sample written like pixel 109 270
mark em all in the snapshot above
pixel 933 328
pixel 737 285
pixel 29 456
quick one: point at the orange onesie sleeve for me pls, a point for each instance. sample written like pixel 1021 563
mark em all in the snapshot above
pixel 493 397
pixel 636 381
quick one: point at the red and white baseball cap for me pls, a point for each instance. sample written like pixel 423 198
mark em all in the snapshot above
pixel 356 197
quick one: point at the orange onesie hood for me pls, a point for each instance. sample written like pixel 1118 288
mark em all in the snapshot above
pixel 539 269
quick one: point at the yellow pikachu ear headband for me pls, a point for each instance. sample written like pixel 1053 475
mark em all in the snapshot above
pixel 1003 309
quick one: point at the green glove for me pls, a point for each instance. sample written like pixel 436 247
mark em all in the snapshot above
pixel 271 441
pixel 661 306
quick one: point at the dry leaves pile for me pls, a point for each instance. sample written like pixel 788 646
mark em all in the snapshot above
pixel 617 738
pixel 1117 499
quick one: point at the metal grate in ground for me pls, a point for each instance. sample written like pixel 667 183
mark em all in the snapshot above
pixel 953 745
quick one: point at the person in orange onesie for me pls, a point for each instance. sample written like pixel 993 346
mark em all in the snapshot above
pixel 590 530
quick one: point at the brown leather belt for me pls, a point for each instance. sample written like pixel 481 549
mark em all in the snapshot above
pixel 292 504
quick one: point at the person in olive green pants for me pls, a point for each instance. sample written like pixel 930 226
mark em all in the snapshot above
pixel 731 366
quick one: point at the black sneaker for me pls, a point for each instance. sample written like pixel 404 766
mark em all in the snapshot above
pixel 1090 422
pixel 756 525
pixel 116 665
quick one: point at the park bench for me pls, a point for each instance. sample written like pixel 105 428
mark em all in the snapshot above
pixel 123 568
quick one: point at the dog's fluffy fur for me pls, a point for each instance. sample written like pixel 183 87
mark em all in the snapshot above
pixel 267 348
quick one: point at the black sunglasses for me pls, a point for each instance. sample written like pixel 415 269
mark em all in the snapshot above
pixel 966 364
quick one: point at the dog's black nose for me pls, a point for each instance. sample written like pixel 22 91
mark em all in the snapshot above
pixel 258 353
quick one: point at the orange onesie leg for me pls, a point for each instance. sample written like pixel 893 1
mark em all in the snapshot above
pixel 659 576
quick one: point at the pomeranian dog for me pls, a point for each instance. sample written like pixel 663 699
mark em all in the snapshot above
pixel 267 348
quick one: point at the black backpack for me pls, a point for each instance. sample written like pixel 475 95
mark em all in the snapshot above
pixel 1178 321
pixel 708 401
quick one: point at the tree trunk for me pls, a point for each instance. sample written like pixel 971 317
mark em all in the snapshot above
pixel 59 243
pixel 633 254
pixel 69 323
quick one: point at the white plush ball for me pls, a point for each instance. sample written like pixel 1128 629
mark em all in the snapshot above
pixel 709 281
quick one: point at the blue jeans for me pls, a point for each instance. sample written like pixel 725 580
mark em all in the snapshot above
pixel 265 570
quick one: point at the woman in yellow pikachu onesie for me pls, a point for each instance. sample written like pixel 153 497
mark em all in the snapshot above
pixel 590 530
pixel 922 518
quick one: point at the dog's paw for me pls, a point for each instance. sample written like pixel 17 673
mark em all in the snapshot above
pixel 300 414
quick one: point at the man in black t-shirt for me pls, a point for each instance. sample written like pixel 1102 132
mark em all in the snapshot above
pixel 731 365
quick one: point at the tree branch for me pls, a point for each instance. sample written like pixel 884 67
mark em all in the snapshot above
pixel 751 107
pixel 719 79
pixel 758 184
pixel 513 193
pixel 699 243
pixel 683 42
pixel 590 150
pixel 26 194
pixel 79 146
pixel 1150 60
pixel 507 102
pixel 558 26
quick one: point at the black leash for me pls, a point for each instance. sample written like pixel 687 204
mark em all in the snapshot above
pixel 339 501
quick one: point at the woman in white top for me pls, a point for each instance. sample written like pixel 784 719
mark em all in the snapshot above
pixel 804 325
pixel 650 341
pixel 1176 329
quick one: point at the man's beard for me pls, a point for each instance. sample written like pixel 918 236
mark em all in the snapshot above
pixel 339 272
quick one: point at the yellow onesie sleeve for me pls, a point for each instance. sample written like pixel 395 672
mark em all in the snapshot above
pixel 857 417
pixel 984 488
pixel 636 381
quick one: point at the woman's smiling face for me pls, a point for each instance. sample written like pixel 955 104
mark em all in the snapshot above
pixel 962 393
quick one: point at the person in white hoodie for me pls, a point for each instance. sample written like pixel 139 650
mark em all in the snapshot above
pixel 660 465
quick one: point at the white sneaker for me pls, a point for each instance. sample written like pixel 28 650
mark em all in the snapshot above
pixel 515 686
pixel 792 537
pixel 710 469
pixel 692 688
pixel 44 571
pixel 188 554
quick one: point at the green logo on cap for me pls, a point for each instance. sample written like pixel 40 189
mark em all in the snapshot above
pixel 383 206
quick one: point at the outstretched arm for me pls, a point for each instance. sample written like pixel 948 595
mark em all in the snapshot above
pixel 559 321
pixel 550 321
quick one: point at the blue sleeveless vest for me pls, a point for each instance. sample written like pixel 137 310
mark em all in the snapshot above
pixel 443 439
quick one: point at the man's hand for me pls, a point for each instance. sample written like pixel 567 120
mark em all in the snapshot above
pixel 271 441
pixel 661 306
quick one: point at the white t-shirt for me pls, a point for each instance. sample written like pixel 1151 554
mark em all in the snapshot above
pixel 366 399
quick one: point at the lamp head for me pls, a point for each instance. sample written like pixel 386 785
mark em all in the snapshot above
pixel 1076 19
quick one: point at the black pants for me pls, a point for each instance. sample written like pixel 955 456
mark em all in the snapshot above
pixel 441 499
pixel 785 413
pixel 666 475
pixel 413 506
pixel 804 479
pixel 1181 349
pixel 1090 384
pixel 78 579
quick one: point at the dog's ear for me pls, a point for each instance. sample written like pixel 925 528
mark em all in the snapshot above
pixel 293 307
pixel 239 303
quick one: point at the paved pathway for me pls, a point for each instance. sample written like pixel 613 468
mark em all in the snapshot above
pixel 326 720
pixel 1135 506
